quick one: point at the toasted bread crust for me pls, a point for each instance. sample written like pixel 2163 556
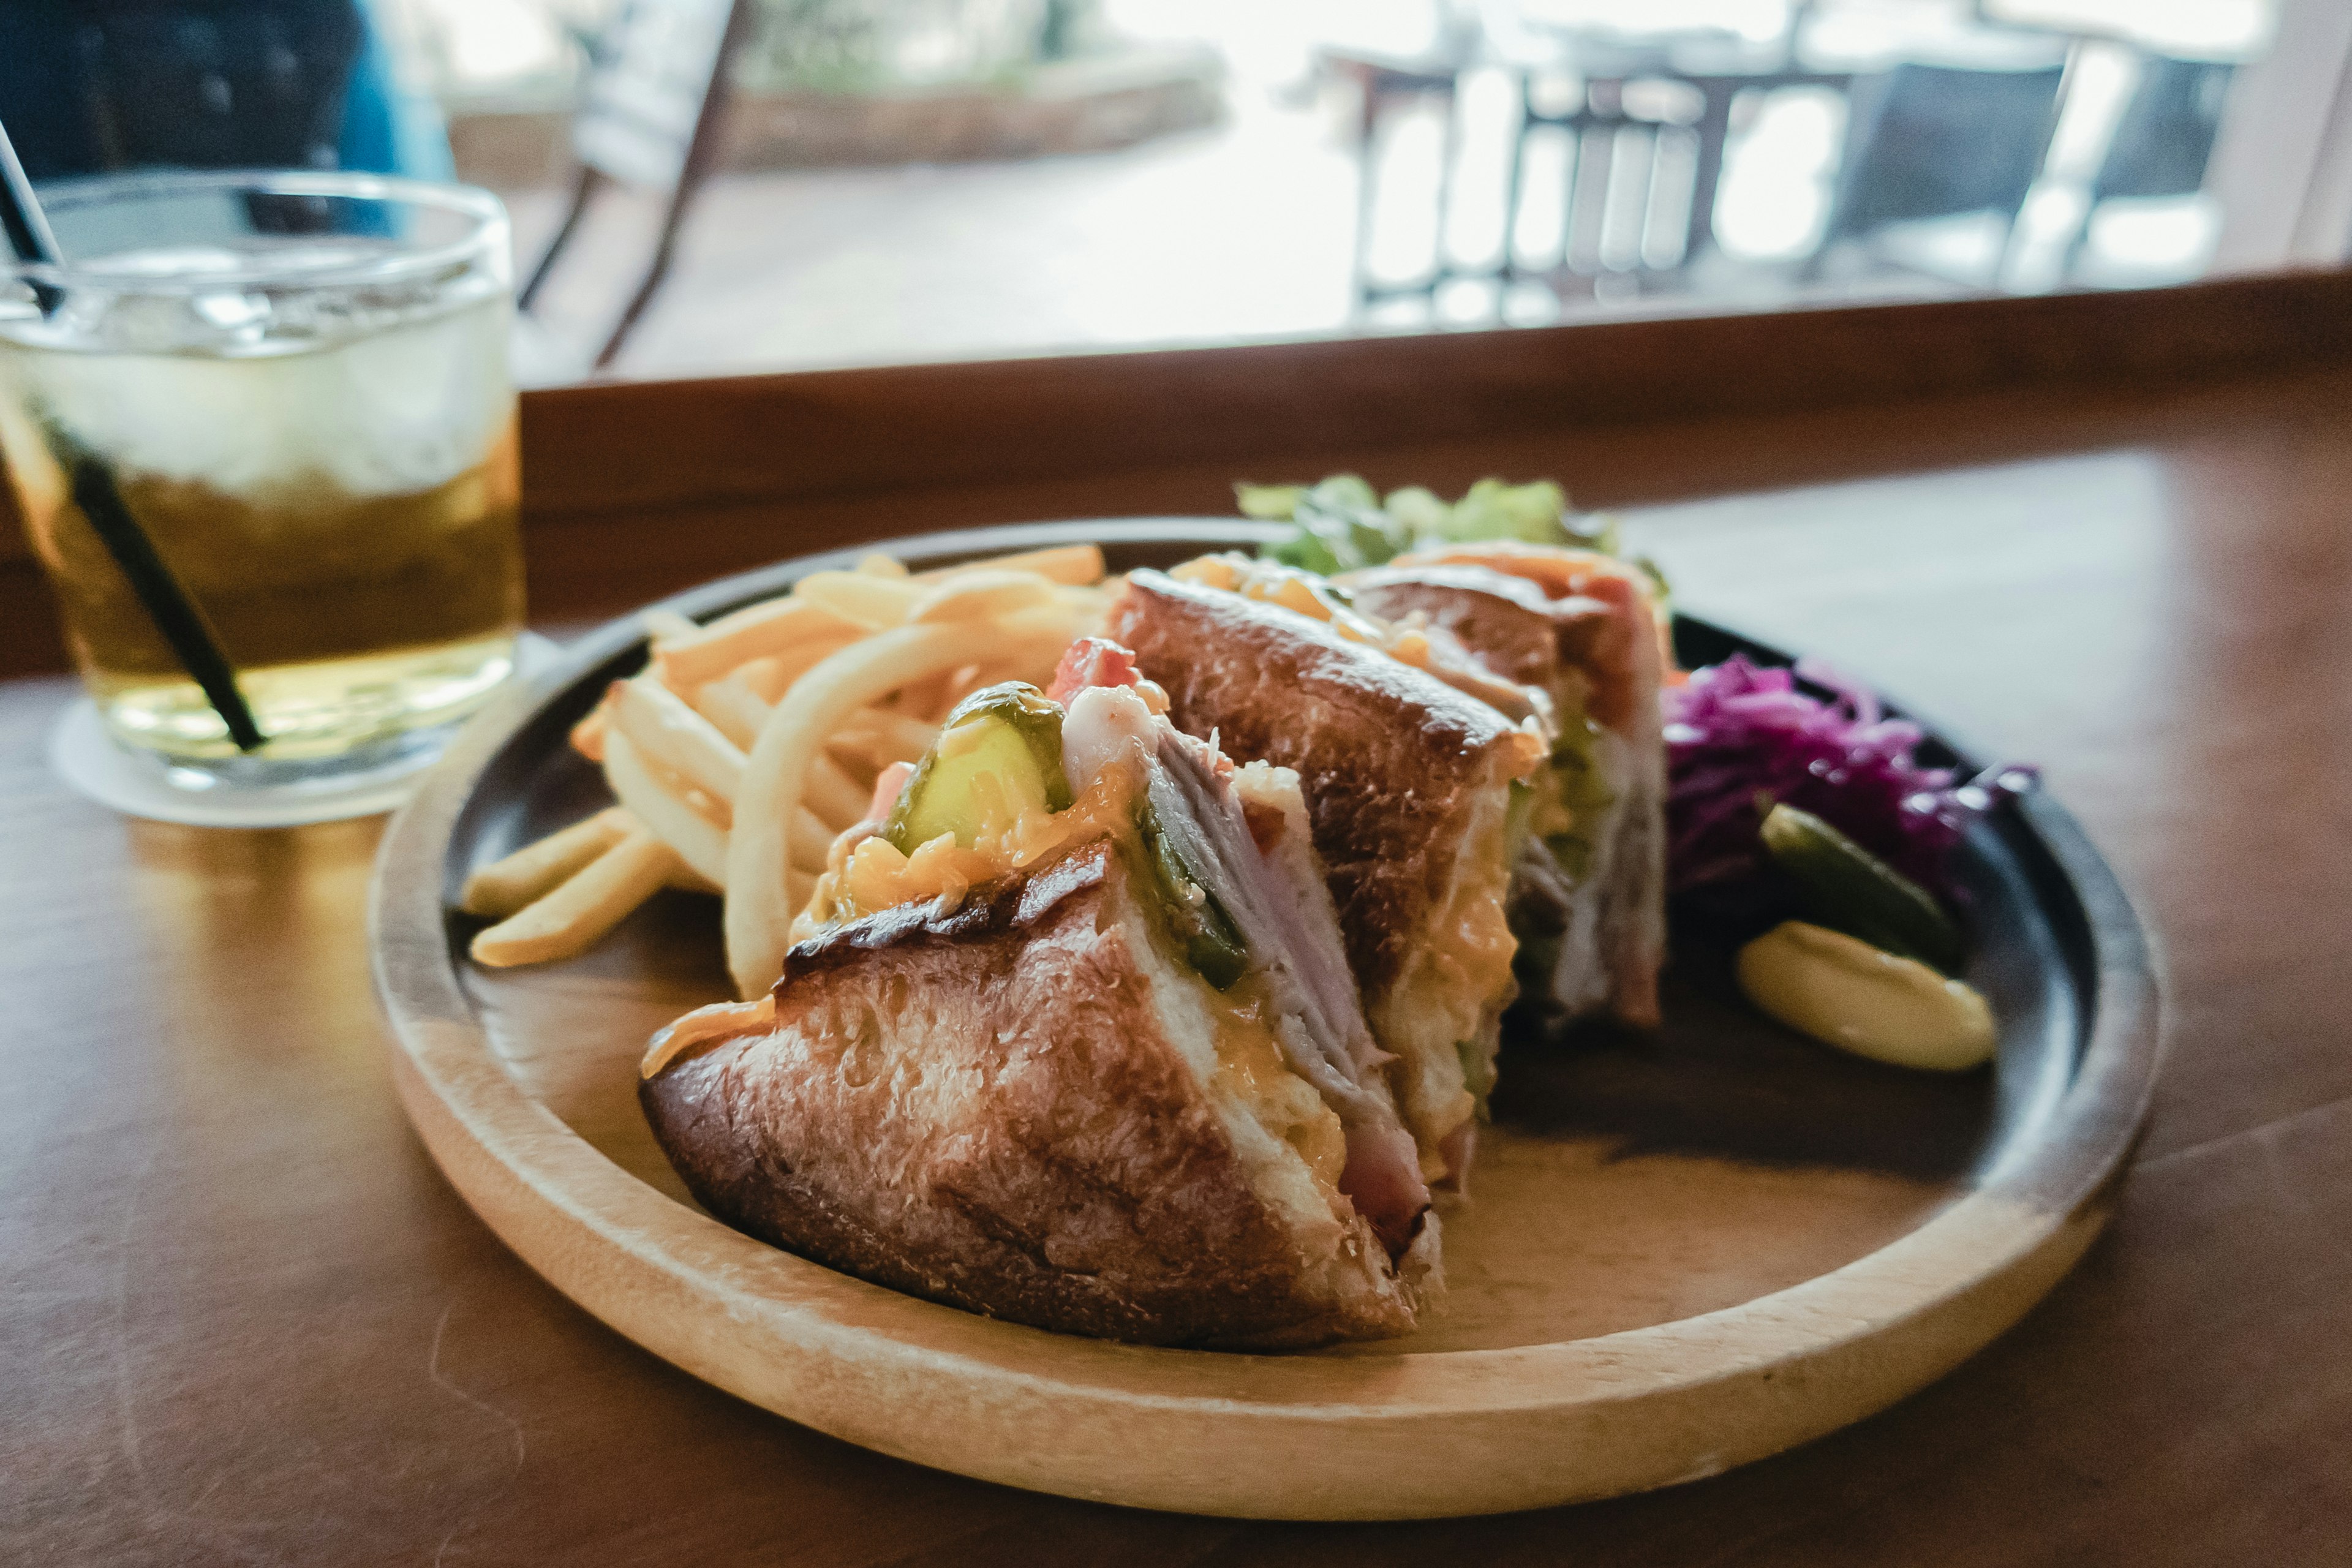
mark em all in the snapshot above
pixel 1631 649
pixel 1391 759
pixel 983 1108
pixel 1508 623
pixel 1514 628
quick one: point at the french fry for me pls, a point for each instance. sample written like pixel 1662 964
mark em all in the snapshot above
pixel 964 683
pixel 700 843
pixel 812 840
pixel 834 796
pixel 588 735
pixel 573 915
pixel 1071 563
pixel 747 634
pixel 1032 658
pixel 926 699
pixel 874 603
pixel 796 616
pixel 1211 570
pixel 797 660
pixel 981 595
pixel 668 627
pixel 506 887
pixel 663 728
pixel 1093 599
pixel 753 742
pixel 1042 623
pixel 733 706
pixel 767 677
pixel 857 770
pixel 885 736
pixel 676 824
pixel 763 889
pixel 979 676
pixel 738 702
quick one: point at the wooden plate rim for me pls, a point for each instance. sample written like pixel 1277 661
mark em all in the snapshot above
pixel 681 1284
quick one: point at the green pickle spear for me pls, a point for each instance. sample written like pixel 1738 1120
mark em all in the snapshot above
pixel 1213 944
pixel 1852 891
pixel 1018 740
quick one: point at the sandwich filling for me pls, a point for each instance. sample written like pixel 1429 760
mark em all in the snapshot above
pixel 1568 859
pixel 1443 1015
pixel 1412 811
pixel 1588 844
pixel 1019 778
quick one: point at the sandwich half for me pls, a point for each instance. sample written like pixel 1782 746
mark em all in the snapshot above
pixel 1588 899
pixel 1067 1036
pixel 1409 788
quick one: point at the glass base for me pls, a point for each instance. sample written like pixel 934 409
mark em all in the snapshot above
pixel 349 715
pixel 138 783
pixel 378 761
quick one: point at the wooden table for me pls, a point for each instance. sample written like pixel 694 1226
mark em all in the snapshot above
pixel 242 1321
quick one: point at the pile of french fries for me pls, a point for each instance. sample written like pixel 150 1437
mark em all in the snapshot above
pixel 746 746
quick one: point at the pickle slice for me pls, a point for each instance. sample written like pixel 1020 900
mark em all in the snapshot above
pixel 1852 891
pixel 1213 944
pixel 1011 734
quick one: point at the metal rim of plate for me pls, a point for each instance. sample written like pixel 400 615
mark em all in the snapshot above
pixel 1412 1436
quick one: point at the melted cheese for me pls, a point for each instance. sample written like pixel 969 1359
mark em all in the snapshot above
pixel 866 873
pixel 1453 988
pixel 720 1021
pixel 1470 943
pixel 1250 1071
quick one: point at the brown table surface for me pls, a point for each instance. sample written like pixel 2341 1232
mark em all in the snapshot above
pixel 243 1320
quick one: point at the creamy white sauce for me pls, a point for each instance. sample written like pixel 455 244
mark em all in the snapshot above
pixel 1859 998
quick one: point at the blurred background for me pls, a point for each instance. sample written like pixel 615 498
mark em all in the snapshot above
pixel 720 186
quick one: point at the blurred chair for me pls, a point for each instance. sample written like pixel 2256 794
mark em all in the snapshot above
pixel 649 117
pixel 1641 110
pixel 1617 143
pixel 1384 84
pixel 1645 118
pixel 1934 141
pixel 93 86
pixel 2162 141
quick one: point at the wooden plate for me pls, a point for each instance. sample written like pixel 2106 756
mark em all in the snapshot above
pixel 1678 1255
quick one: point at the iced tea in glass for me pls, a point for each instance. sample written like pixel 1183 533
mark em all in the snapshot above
pixel 299 385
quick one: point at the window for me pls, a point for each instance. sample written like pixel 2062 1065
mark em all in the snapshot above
pixel 950 179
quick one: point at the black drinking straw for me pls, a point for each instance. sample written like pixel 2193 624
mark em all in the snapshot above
pixel 168 604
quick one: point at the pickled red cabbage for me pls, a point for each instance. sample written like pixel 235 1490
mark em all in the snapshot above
pixel 1740 737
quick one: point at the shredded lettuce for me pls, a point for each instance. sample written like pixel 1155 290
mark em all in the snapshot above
pixel 1344 524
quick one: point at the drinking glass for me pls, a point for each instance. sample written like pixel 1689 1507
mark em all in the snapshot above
pixel 297 386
